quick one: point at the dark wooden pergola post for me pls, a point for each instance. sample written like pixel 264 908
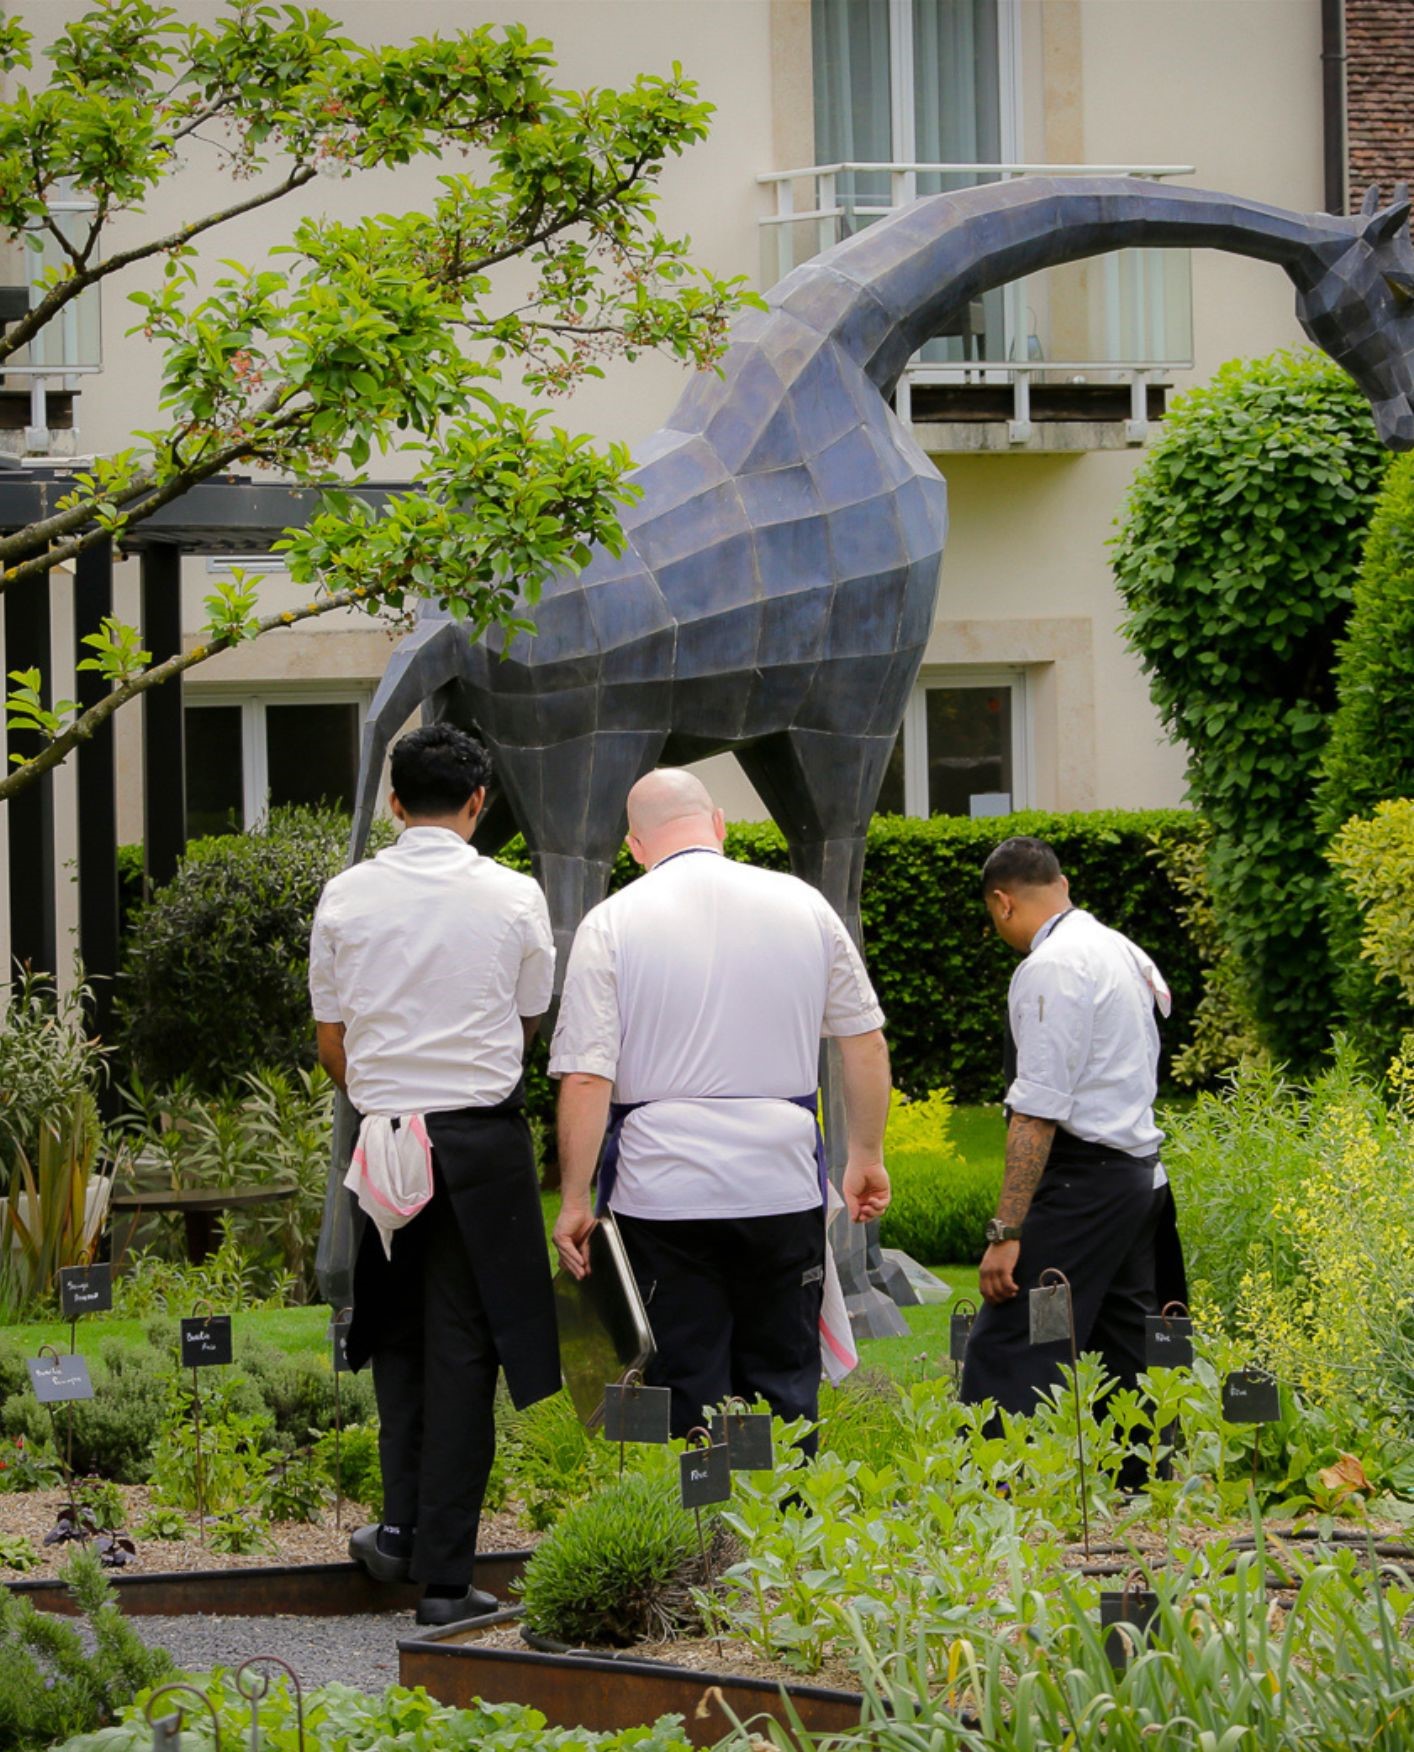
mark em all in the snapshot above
pixel 97 794
pixel 31 812
pixel 164 765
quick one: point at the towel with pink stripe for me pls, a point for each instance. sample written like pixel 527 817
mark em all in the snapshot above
pixel 391 1172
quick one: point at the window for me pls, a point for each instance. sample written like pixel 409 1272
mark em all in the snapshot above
pixel 917 82
pixel 246 755
pixel 964 747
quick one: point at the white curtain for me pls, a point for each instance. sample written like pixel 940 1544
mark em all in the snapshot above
pixel 853 113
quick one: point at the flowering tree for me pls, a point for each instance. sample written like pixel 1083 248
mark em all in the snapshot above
pixel 388 335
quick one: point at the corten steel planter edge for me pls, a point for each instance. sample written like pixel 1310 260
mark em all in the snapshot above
pixel 313 1590
pixel 605 1694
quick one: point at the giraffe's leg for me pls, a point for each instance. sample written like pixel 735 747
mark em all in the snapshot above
pixel 570 799
pixel 821 789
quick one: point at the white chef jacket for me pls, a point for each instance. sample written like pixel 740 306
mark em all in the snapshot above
pixel 699 989
pixel 1081 1006
pixel 430 954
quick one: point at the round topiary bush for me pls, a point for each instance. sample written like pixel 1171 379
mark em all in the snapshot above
pixel 214 981
pixel 1236 562
pixel 620 1567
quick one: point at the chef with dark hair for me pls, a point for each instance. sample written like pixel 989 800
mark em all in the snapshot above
pixel 1083 1190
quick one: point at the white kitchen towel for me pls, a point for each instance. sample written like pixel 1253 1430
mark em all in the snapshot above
pixel 837 1353
pixel 391 1172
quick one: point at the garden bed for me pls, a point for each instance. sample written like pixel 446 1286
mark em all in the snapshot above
pixel 300 1544
pixel 604 1691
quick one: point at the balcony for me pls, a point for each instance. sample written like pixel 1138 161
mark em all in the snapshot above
pixel 42 379
pixel 1078 357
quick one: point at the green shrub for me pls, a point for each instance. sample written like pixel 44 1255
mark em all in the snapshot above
pixel 116 1431
pixel 553 1460
pixel 50 1063
pixel 1236 561
pixel 1375 860
pixel 1370 755
pixel 357 1473
pixel 1224 1030
pixel 297 1392
pixel 620 1567
pixel 51 1685
pixel 1296 1205
pixel 214 976
pixel 338 1718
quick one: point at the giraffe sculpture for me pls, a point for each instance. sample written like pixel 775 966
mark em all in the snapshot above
pixel 781 569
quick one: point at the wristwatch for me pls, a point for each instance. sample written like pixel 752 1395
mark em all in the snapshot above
pixel 997 1230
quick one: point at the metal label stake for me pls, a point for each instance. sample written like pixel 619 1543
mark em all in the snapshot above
pixel 167 1730
pixel 254 1685
pixel 338 1332
pixel 1053 1317
pixel 704 1476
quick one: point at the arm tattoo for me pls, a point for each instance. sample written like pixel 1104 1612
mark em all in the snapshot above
pixel 1028 1144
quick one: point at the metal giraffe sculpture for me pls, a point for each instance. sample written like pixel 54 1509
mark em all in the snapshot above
pixel 781 572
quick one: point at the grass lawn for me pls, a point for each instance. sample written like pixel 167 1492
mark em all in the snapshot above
pixel 980 1135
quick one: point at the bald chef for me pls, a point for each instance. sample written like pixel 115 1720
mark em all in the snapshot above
pixel 696 999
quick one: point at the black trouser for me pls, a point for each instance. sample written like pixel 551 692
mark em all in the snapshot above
pixel 734 1303
pixel 1095 1219
pixel 434 1375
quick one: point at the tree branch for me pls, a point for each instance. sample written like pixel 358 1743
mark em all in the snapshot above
pixel 84 727
pixel 61 294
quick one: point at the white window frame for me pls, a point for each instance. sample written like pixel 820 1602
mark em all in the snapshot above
pixel 915 728
pixel 255 770
pixel 901 110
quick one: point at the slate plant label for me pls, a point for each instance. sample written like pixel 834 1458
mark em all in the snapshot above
pixel 56 1380
pixel 339 1338
pixel 1251 1396
pixel 85 1289
pixel 705 1476
pixel 747 1435
pixel 635 1413
pixel 1168 1341
pixel 206 1340
pixel 959 1331
pixel 1050 1313
pixel 1133 1606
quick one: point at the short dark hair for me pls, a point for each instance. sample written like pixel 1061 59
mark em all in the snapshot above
pixel 1022 862
pixel 436 770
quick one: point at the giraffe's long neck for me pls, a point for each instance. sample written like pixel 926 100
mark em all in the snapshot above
pixel 894 286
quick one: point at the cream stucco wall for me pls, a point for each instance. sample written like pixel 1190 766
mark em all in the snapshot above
pixel 1231 86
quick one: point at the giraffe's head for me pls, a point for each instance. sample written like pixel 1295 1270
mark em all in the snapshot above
pixel 1360 310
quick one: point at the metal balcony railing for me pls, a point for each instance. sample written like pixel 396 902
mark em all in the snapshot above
pixel 69 347
pixel 1117 318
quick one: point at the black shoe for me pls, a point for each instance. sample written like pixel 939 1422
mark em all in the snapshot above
pixel 381 1565
pixel 437 1609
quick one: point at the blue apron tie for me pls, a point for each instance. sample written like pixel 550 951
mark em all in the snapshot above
pixel 620 1110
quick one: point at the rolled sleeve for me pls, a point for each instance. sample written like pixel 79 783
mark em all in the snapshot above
pixel 589 1031
pixel 851 1004
pixel 323 987
pixel 1052 1015
pixel 535 985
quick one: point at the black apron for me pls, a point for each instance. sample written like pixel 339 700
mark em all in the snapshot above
pixel 486 1170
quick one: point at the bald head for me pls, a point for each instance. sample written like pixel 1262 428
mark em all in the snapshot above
pixel 668 810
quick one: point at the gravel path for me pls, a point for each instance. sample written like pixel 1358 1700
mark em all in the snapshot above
pixel 360 1650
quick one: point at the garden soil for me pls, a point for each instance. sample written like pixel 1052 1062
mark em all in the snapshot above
pixel 32 1513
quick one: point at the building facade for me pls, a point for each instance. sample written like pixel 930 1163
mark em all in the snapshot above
pixel 830 112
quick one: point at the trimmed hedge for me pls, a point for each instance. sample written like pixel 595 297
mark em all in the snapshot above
pixel 940 969
pixel 215 974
